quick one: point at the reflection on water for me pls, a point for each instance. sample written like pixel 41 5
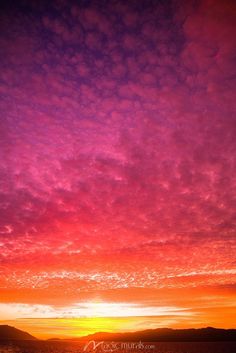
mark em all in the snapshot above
pixel 98 347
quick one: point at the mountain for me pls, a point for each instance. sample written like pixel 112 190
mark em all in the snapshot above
pixel 54 339
pixel 12 333
pixel 169 335
pixel 157 335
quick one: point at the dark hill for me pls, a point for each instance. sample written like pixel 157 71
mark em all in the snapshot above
pixel 12 333
pixel 169 335
pixel 54 339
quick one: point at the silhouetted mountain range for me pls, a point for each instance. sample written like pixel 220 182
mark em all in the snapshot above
pixel 157 335
pixel 54 339
pixel 12 333
pixel 169 335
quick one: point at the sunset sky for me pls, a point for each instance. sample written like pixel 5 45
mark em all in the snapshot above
pixel 117 165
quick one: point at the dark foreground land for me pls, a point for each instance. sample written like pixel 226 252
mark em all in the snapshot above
pixel 37 346
pixel 208 334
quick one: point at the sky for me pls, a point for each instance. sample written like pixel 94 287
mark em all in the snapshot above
pixel 117 165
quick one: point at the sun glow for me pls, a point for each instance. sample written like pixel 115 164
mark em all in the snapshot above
pixel 104 309
pixel 88 310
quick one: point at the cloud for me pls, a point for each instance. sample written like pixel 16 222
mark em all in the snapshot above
pixel 117 144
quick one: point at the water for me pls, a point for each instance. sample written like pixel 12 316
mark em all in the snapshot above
pixel 116 347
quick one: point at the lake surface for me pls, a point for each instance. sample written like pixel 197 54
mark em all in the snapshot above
pixel 116 347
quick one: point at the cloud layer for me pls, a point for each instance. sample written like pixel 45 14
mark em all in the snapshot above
pixel 118 146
